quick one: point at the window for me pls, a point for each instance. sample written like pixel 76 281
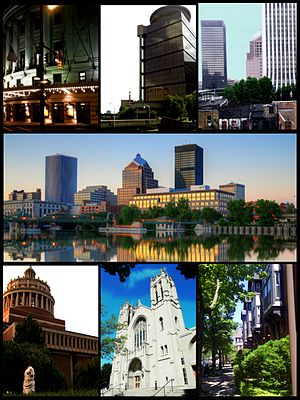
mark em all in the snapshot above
pixel 184 376
pixel 56 78
pixel 82 76
pixel 161 322
pixel 22 59
pixel 182 361
pixel 161 350
pixel 166 349
pixel 140 333
pixel 18 82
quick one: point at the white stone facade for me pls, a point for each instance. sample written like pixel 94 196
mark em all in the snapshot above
pixel 158 347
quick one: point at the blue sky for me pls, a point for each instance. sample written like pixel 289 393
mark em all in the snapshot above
pixel 137 287
pixel 264 163
pixel 242 21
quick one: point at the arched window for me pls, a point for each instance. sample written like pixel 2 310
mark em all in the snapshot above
pixel 156 294
pixel 176 321
pixel 161 322
pixel 161 290
pixel 140 333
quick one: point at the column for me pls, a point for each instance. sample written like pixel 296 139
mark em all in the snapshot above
pixel 17 299
pixel 42 301
pixel 29 299
pixel 23 298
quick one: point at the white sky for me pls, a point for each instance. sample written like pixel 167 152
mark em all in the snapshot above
pixel 120 51
pixel 75 291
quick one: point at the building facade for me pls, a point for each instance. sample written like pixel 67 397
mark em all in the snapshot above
pixel 167 54
pixel 158 347
pixel 68 47
pixel 22 195
pixel 95 194
pixel 236 188
pixel 197 198
pixel 29 295
pixel 213 54
pixel 33 208
pixel 279 43
pixel 137 177
pixel 188 166
pixel 254 57
pixel 61 178
pixel 102 206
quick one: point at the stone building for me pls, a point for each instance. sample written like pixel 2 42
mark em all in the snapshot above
pixel 159 349
pixel 29 295
pixel 54 49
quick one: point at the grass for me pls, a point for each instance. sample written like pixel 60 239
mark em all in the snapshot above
pixel 67 393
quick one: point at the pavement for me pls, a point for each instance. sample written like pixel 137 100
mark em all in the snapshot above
pixel 221 385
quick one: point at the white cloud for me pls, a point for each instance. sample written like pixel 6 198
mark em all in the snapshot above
pixel 136 276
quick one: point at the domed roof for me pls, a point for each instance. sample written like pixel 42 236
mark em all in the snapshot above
pixel 29 273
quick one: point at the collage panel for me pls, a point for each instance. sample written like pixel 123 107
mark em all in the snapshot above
pixel 148 330
pixel 247 67
pixel 149 198
pixel 51 68
pixel 50 330
pixel 247 344
pixel 149 69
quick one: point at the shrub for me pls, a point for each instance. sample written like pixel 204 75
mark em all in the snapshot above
pixel 249 390
pixel 87 376
pixel 269 365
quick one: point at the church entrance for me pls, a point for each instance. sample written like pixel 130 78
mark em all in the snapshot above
pixel 135 374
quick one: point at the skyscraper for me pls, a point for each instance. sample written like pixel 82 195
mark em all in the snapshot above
pixel 254 57
pixel 167 54
pixel 237 189
pixel 188 166
pixel 279 43
pixel 137 177
pixel 61 178
pixel 213 52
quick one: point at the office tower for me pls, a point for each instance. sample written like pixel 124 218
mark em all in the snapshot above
pixel 213 48
pixel 279 43
pixel 167 54
pixel 18 195
pixel 61 178
pixel 188 166
pixel 95 194
pixel 137 177
pixel 254 57
pixel 236 188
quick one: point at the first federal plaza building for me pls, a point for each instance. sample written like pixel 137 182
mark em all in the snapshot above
pixel 51 53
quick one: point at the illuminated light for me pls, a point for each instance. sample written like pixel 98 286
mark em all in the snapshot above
pixel 52 7
pixel 24 243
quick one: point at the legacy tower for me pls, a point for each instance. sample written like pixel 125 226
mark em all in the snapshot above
pixel 188 166
pixel 167 54
pixel 279 43
pixel 213 48
pixel 61 178
pixel 137 177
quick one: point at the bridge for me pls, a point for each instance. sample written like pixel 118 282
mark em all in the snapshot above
pixel 56 219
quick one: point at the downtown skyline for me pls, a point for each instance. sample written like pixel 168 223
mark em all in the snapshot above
pixel 264 163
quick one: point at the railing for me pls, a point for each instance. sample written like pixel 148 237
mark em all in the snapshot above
pixel 112 389
pixel 164 387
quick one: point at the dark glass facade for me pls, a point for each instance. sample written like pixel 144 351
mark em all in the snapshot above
pixel 61 178
pixel 137 177
pixel 213 53
pixel 167 54
pixel 188 166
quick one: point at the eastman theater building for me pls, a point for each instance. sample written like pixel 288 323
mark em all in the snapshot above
pixel 29 295
pixel 70 63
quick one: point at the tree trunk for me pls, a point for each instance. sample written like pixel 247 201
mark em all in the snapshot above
pixel 200 335
pixel 220 359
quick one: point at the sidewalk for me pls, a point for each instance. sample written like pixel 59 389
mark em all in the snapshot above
pixel 221 385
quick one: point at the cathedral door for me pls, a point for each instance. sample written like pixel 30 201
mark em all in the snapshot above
pixel 135 374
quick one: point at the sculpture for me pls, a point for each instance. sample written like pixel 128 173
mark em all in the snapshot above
pixel 29 383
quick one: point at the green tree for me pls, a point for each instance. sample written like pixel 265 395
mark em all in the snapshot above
pixel 210 215
pixel 191 106
pixel 171 210
pixel 266 90
pixel 128 214
pixel 239 213
pixel 174 107
pixel 105 375
pixel 29 331
pixel 220 285
pixel 87 375
pixel 250 91
pixel 125 113
pixel 268 212
pixel 109 342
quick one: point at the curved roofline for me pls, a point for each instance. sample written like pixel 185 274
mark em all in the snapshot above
pixel 165 11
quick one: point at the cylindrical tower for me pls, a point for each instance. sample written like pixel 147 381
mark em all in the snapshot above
pixel 29 292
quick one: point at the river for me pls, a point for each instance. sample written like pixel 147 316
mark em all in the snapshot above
pixel 93 247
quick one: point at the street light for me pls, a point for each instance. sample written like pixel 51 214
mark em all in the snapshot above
pixel 114 112
pixel 147 106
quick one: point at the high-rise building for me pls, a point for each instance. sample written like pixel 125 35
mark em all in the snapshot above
pixel 167 54
pixel 17 195
pixel 188 166
pixel 61 178
pixel 236 188
pixel 213 53
pixel 254 57
pixel 95 194
pixel 279 43
pixel 137 177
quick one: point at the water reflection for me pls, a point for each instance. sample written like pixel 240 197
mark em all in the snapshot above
pixel 67 247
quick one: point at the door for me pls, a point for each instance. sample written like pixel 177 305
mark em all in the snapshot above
pixel 83 113
pixel 58 112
